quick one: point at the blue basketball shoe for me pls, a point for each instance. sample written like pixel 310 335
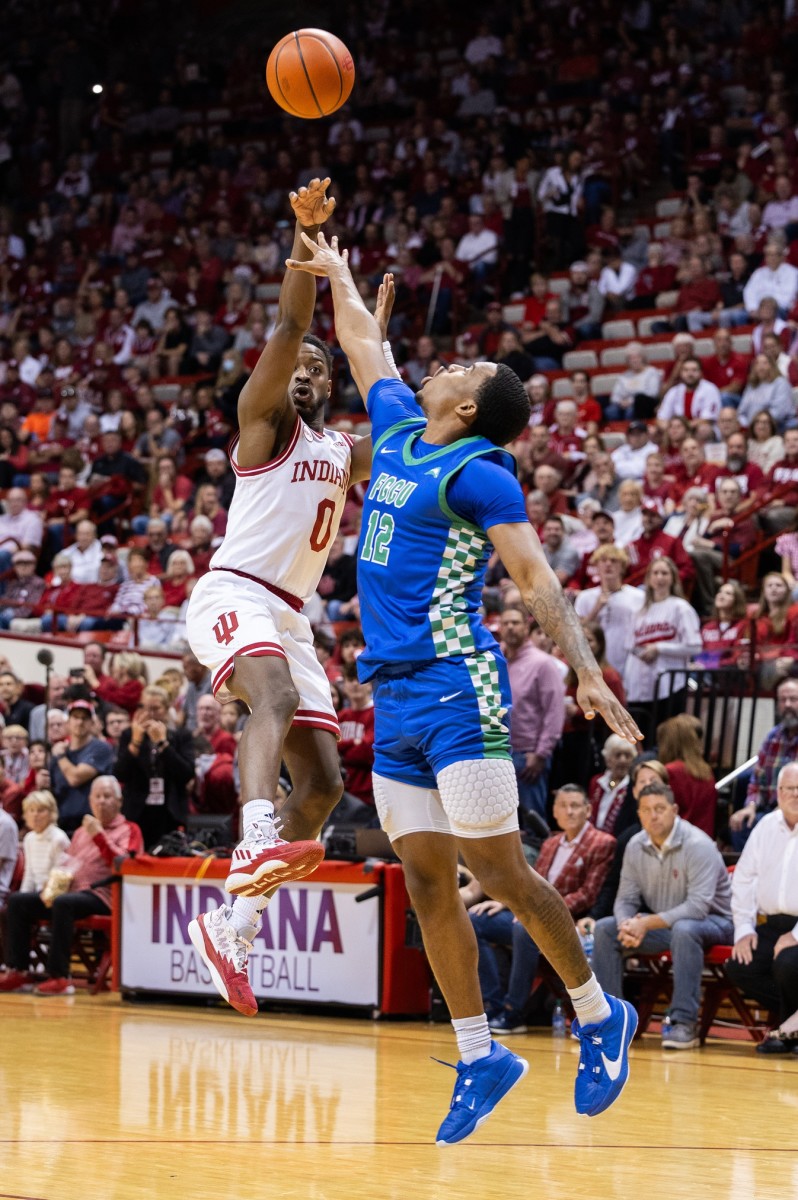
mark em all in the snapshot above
pixel 604 1058
pixel 478 1089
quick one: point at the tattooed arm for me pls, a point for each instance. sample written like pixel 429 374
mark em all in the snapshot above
pixel 519 549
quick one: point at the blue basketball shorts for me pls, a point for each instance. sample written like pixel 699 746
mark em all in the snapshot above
pixel 450 710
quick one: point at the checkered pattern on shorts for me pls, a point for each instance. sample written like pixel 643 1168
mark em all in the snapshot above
pixel 451 629
pixel 485 677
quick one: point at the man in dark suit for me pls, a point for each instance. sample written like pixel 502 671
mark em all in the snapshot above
pixel 155 764
pixel 575 862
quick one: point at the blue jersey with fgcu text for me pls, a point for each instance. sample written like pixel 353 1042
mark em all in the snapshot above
pixel 423 548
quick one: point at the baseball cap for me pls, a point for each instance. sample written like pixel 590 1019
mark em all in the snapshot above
pixel 637 427
pixel 109 541
pixel 651 506
pixel 216 455
pixel 23 556
pixel 602 512
pixel 493 306
pixel 81 706
pixel 579 265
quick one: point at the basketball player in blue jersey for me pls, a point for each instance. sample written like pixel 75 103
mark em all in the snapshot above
pixel 442 490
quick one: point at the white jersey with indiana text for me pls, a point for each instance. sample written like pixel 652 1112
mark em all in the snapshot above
pixel 672 626
pixel 284 514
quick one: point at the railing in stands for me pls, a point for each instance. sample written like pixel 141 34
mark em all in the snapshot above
pixel 726 700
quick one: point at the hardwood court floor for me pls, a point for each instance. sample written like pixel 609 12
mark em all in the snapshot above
pixel 106 1101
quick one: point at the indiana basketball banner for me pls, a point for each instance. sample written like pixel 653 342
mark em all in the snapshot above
pixel 317 945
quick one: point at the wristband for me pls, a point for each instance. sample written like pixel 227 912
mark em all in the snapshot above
pixel 388 352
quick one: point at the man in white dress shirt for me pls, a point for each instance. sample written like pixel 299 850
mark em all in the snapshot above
pixel 694 398
pixel 764 962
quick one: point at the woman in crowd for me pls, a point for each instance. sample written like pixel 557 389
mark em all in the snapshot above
pixel 726 635
pixel 767 389
pixel 178 578
pixel 689 774
pixel 171 346
pixel 676 433
pixel 170 492
pixel 776 628
pixel 665 638
pixel 765 446
pixel 124 685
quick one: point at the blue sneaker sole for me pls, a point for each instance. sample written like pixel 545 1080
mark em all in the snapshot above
pixel 515 1072
pixel 612 1093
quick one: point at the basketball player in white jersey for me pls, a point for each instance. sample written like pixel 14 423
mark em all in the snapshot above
pixel 244 618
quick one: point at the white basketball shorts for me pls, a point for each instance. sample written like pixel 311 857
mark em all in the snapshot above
pixel 230 615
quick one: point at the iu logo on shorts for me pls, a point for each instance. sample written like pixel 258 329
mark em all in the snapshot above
pixel 225 627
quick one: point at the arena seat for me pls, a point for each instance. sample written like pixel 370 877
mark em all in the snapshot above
pixel 580 360
pixel 513 314
pixel 602 385
pixel 667 299
pixel 619 328
pixel 669 206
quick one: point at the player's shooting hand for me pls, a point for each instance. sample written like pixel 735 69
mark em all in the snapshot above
pixel 385 298
pixel 311 205
pixel 326 258
pixel 593 696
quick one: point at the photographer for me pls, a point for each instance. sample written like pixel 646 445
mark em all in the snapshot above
pixel 155 765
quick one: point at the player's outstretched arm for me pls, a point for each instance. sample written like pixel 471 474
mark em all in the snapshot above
pixel 265 413
pixel 520 551
pixel 356 329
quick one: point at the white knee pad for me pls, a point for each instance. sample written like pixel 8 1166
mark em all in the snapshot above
pixel 480 797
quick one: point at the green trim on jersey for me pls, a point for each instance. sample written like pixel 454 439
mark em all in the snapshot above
pixel 487 687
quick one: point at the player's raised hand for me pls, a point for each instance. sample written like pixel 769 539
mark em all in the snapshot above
pixel 326 257
pixel 593 696
pixel 385 298
pixel 311 205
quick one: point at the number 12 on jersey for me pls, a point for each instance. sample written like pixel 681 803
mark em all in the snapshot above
pixel 376 544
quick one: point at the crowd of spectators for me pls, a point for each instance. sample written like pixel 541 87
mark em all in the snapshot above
pixel 508 174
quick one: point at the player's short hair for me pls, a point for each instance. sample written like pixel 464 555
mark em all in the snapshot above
pixel 503 407
pixel 312 340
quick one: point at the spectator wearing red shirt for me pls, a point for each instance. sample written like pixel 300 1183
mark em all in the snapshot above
pixel 776 623
pixel 689 774
pixel 588 409
pixel 124 685
pixel 535 304
pixel 66 505
pixel 698 296
pixel 655 277
pixel 356 747
pixel 749 476
pixel 177 579
pixel 725 368
pixel 209 726
pixel 726 635
pixel 782 488
pixel 694 470
pixel 587 574
pixel 548 481
pixel 730 533
pixel 654 543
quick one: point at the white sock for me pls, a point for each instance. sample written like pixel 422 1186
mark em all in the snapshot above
pixel 245 915
pixel 473 1038
pixel 256 810
pixel 590 1003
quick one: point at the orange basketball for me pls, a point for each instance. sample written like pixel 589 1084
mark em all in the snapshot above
pixel 310 73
